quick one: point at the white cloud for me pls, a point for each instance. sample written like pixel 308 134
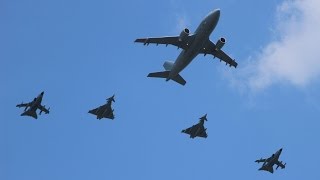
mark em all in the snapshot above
pixel 294 57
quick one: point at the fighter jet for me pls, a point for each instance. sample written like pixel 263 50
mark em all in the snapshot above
pixel 198 129
pixel 104 111
pixel 31 107
pixel 269 162
pixel 192 45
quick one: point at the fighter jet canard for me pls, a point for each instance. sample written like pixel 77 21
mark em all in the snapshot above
pixel 104 111
pixel 31 107
pixel 269 162
pixel 197 130
pixel 192 45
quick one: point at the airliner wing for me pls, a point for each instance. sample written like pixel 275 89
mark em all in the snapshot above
pixel 210 48
pixel 172 40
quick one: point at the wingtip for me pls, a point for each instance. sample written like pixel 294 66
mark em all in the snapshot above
pixel 235 63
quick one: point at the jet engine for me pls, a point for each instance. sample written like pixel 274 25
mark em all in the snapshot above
pixel 220 43
pixel 184 34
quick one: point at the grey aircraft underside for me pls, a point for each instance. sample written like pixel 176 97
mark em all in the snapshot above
pixel 31 107
pixel 197 130
pixel 192 45
pixel 104 111
pixel 271 161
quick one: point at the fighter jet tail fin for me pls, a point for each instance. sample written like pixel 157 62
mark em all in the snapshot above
pixel 165 74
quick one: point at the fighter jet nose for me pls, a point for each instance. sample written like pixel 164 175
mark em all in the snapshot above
pixel 42 92
pixel 280 149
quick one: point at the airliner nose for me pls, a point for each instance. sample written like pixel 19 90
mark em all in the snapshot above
pixel 217 11
pixel 215 14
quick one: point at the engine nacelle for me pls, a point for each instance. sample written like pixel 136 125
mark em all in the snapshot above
pixel 220 43
pixel 184 34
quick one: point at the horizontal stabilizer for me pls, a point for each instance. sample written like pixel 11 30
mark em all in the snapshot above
pixel 179 80
pixel 267 168
pixel 165 74
pixel 30 113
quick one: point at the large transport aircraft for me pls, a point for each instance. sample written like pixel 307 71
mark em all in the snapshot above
pixel 192 45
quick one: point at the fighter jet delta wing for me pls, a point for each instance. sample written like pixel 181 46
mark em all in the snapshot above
pixel 203 133
pixel 172 40
pixel 189 130
pixel 103 111
pixel 109 115
pixel 196 131
pixel 211 48
pixel 94 111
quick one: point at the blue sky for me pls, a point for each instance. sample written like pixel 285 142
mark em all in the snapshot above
pixel 81 52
